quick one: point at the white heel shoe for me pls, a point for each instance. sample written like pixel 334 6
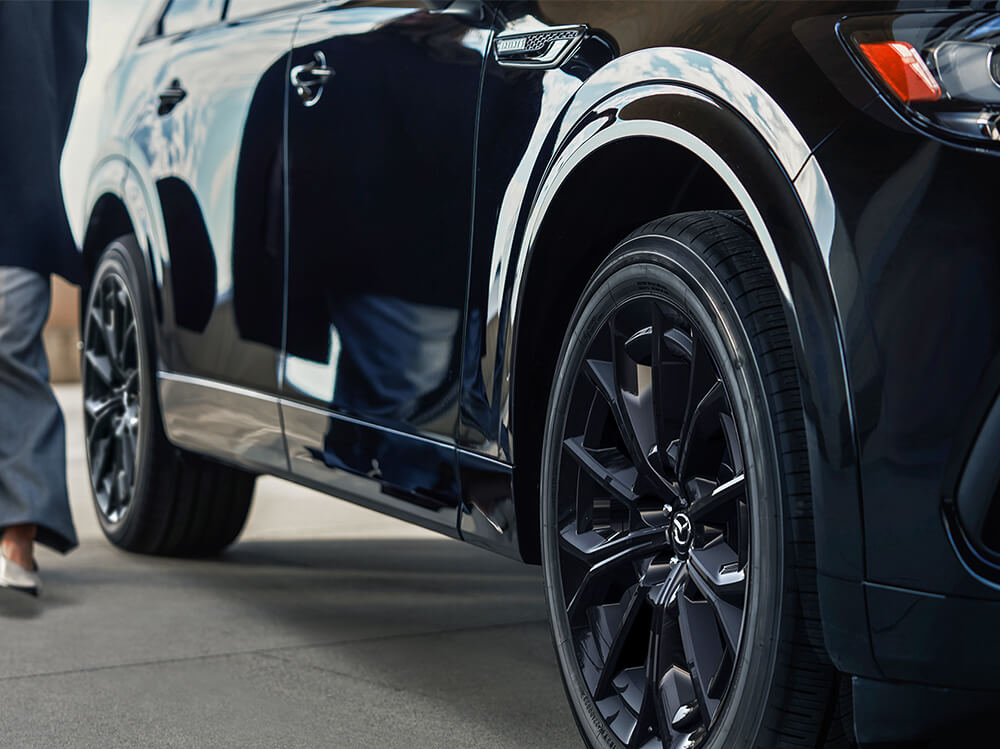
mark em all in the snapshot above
pixel 15 577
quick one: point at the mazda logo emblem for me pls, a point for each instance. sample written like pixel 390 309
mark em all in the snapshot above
pixel 681 528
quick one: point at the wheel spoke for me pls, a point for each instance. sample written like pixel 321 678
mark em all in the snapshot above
pixel 703 373
pixel 718 564
pixel 597 550
pixel 102 493
pixel 641 450
pixel 621 618
pixel 654 714
pixel 99 423
pixel 630 350
pixel 126 447
pixel 665 593
pixel 670 373
pixel 629 687
pixel 110 479
pixel 95 407
pixel 98 323
pixel 129 342
pixel 601 375
pixel 132 381
pixel 110 330
pixel 101 366
pixel 708 406
pixel 122 488
pixel 606 557
pixel 702 378
pixel 99 456
pixel 722 494
pixel 126 326
pixel 606 467
pixel 130 332
pixel 711 582
pixel 679 701
pixel 702 649
pixel 732 443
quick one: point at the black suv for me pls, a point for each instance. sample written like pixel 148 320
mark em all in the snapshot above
pixel 697 305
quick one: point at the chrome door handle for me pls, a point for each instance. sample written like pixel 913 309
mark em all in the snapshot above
pixel 309 78
pixel 544 48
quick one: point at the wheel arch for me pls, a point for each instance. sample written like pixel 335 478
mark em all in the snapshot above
pixel 117 204
pixel 109 219
pixel 726 160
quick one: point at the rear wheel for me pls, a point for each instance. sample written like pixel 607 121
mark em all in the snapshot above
pixel 675 502
pixel 150 497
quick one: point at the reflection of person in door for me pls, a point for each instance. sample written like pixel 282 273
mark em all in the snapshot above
pixel 377 270
pixel 43 47
pixel 370 262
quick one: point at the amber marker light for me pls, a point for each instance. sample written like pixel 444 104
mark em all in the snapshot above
pixel 903 70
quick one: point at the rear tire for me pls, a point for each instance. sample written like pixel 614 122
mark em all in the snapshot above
pixel 150 497
pixel 677 537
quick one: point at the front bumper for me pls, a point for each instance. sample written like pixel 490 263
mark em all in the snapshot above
pixel 915 268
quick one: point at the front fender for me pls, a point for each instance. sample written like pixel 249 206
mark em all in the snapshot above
pixel 723 118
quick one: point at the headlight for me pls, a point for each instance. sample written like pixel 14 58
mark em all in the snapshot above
pixel 941 69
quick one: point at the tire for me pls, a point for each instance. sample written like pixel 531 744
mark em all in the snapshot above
pixel 677 537
pixel 150 497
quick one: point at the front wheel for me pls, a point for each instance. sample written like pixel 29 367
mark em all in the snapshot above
pixel 675 494
pixel 150 496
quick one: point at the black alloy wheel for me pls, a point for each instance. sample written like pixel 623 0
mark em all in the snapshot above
pixel 671 575
pixel 654 524
pixel 151 497
pixel 112 386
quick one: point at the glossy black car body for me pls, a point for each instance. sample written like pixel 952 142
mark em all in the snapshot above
pixel 362 285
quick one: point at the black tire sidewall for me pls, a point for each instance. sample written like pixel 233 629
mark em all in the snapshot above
pixel 123 258
pixel 666 267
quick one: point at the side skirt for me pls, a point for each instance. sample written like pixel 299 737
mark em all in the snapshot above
pixel 452 491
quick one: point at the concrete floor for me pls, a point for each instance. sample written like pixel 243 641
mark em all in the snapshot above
pixel 326 625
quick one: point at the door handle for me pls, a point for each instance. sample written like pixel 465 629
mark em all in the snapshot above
pixel 170 97
pixel 309 78
pixel 544 48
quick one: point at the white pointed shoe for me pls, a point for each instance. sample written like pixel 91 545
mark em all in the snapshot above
pixel 15 577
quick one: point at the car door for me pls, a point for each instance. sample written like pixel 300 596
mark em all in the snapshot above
pixel 217 171
pixel 381 126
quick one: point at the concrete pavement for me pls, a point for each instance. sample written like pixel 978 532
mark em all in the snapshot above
pixel 326 625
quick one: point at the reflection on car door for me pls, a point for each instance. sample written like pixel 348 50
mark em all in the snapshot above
pixel 216 166
pixel 381 126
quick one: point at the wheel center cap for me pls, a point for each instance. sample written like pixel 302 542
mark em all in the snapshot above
pixel 681 532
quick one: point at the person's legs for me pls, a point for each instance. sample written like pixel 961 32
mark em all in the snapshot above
pixel 33 498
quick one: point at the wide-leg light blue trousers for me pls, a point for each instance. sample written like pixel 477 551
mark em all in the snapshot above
pixel 32 431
